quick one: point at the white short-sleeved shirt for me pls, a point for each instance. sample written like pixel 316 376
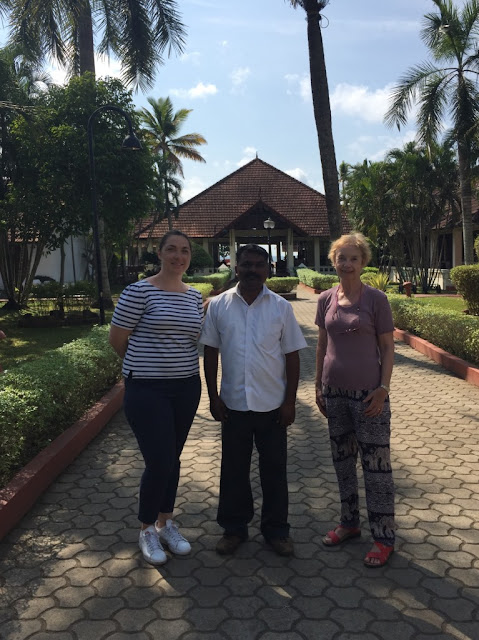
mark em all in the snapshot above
pixel 165 327
pixel 253 340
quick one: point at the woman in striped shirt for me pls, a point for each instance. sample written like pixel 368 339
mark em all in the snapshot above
pixel 154 329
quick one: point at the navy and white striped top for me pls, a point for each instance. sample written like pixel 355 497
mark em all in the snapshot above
pixel 165 327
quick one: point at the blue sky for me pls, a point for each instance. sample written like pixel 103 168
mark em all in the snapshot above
pixel 245 74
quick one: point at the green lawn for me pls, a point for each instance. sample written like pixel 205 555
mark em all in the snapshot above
pixel 448 303
pixel 23 344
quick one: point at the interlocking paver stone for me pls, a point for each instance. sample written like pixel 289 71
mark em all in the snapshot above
pixel 72 570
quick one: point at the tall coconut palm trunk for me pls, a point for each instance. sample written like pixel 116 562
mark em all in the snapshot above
pixel 466 200
pixel 322 116
pixel 85 39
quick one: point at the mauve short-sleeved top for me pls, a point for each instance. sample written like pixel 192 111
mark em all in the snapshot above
pixel 352 360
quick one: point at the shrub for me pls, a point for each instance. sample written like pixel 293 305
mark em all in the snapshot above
pixel 466 281
pixel 377 280
pixel 282 285
pixel 204 288
pixel 200 259
pixel 317 280
pixel 48 289
pixel 457 334
pixel 72 296
pixel 476 247
pixel 218 280
pixel 149 257
pixel 370 269
pixel 39 399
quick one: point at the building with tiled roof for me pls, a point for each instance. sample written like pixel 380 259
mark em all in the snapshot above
pixel 232 212
pixel 450 237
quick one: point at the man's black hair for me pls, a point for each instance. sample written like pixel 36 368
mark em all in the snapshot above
pixel 252 248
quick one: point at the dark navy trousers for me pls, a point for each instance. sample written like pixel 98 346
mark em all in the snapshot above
pixel 160 413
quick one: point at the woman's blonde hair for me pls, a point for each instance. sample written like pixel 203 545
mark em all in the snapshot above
pixel 354 239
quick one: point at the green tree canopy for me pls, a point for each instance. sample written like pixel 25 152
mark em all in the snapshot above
pixel 397 203
pixel 49 199
pixel 446 87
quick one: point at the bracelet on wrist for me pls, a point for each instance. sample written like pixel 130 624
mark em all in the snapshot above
pixel 385 387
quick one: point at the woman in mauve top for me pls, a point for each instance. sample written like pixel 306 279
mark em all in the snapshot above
pixel 354 362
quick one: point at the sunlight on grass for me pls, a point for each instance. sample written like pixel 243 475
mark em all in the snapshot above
pixel 448 303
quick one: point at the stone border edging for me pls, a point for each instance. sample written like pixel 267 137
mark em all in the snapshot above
pixel 461 368
pixel 19 495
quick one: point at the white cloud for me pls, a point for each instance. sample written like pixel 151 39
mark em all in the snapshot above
pixel 299 174
pixel 361 102
pixel 224 43
pixel 193 57
pixel 200 91
pixel 103 67
pixel 249 153
pixel 107 67
pixel 299 85
pixel 240 75
pixel 192 187
pixel 375 148
pixel 303 176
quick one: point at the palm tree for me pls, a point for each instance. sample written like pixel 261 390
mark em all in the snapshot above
pixel 447 85
pixel 162 131
pixel 166 190
pixel 137 32
pixel 322 111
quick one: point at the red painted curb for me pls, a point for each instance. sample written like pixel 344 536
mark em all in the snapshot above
pixel 461 368
pixel 30 482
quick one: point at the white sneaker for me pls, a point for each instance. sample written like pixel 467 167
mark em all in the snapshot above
pixel 172 538
pixel 151 547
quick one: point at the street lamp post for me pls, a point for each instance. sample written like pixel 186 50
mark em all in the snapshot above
pixel 268 224
pixel 130 142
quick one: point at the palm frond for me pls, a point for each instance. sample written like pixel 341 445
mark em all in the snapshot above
pixel 465 108
pixel 432 105
pixel 405 93
pixel 107 16
pixel 169 32
pixel 134 43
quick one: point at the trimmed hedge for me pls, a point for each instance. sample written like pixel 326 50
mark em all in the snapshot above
pixel 316 280
pixel 466 281
pixel 41 398
pixel 282 285
pixel 203 287
pixel 217 280
pixel 448 330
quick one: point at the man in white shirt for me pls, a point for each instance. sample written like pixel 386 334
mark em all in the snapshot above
pixel 259 338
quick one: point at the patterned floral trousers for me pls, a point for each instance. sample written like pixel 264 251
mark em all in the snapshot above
pixel 349 431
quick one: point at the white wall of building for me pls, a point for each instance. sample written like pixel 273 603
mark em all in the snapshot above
pixel 75 262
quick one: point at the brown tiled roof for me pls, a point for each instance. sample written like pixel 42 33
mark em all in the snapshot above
pixel 451 220
pixel 244 199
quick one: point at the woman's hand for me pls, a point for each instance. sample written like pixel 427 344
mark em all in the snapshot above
pixel 376 402
pixel 320 401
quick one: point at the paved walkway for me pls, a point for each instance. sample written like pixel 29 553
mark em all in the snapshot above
pixel 72 569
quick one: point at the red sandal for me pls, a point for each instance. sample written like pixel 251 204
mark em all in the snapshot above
pixel 331 539
pixel 382 555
